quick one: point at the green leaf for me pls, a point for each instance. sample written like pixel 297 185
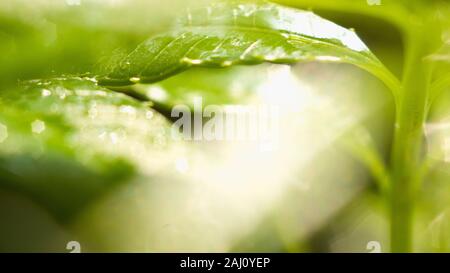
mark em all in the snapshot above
pixel 226 34
pixel 66 142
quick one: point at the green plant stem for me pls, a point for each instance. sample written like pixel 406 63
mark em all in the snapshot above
pixel 408 140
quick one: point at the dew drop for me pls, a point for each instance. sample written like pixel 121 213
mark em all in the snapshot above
pixel 149 115
pixel 135 79
pixel 128 110
pixel 46 92
pixel 38 126
pixel 157 93
pixel 227 63
pixel 191 61
pixel 328 58
pixel 270 58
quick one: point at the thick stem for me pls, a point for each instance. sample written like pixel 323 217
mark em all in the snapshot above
pixel 406 156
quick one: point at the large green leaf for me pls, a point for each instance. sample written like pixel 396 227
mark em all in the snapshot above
pixel 65 142
pixel 226 34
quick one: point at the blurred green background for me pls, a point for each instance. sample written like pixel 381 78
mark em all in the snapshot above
pixel 129 190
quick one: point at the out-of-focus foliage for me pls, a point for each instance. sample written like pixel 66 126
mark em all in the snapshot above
pixel 64 142
pixel 44 38
pixel 68 142
pixel 104 161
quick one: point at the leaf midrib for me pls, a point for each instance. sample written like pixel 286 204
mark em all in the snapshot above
pixel 304 37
